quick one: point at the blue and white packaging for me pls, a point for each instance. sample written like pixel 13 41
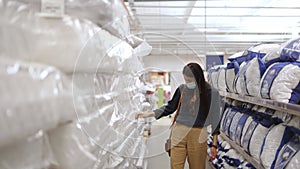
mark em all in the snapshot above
pixel 291 51
pixel 273 56
pixel 276 138
pixel 237 80
pixel 240 128
pixel 287 153
pixel 294 162
pixel 257 139
pixel 231 70
pixel 248 135
pixel 234 124
pixel 239 57
pixel 281 82
pixel 224 117
pixel 245 128
pixel 251 77
pixel 227 121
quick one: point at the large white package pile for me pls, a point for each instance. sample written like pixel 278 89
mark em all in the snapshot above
pixel 85 47
pixel 33 97
pixel 276 138
pixel 281 82
pixel 221 79
pixel 230 72
pixel 113 19
pixel 95 140
pixel 31 153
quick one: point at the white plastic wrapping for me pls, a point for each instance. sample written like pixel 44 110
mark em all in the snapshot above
pixel 257 139
pixel 113 19
pixel 251 76
pixel 33 97
pixel 230 72
pixel 237 80
pixel 275 139
pixel 67 43
pixel 31 153
pixel 221 79
pixel 281 82
pixel 295 162
pixel 96 142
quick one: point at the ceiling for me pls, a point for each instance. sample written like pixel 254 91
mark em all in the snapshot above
pixel 213 26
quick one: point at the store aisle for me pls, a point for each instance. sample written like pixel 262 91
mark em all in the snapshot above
pixel 157 158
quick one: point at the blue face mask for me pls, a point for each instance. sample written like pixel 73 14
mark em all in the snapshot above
pixel 191 85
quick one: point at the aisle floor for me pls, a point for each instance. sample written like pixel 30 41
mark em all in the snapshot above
pixel 157 158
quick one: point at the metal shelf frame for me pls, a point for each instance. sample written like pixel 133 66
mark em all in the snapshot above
pixel 250 159
pixel 293 109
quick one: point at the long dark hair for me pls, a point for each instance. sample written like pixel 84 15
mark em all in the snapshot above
pixel 194 70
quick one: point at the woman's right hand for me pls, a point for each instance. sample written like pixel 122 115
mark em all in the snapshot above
pixel 144 115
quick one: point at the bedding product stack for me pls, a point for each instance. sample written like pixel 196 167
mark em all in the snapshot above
pixel 69 87
pixel 268 136
pixel 270 71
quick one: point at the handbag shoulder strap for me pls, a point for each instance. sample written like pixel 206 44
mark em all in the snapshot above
pixel 177 110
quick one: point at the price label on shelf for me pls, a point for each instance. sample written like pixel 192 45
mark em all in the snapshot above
pixel 52 8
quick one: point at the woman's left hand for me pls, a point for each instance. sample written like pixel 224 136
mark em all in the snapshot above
pixel 213 153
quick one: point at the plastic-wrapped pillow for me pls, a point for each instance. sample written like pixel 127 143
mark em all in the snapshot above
pixel 230 72
pixel 215 77
pixel 272 56
pixel 248 134
pixel 238 80
pixel 240 128
pixel 221 79
pixel 288 154
pixel 276 138
pixel 85 47
pixel 238 57
pixel 251 75
pixel 257 138
pixel 224 117
pixel 260 50
pixel 291 51
pixel 281 82
pixel 227 121
pixel 113 18
pixel 234 124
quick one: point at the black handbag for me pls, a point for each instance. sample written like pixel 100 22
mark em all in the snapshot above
pixel 168 146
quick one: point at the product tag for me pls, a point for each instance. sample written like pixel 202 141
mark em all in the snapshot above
pixel 52 8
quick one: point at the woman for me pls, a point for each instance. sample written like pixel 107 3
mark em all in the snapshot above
pixel 199 106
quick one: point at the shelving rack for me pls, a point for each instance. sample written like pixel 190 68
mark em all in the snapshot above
pixel 276 105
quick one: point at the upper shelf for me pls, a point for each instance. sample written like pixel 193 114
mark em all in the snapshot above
pixel 276 105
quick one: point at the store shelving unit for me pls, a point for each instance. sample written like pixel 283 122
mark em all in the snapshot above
pixel 256 163
pixel 276 105
pixel 280 106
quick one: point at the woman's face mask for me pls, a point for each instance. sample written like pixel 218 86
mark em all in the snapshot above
pixel 191 85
